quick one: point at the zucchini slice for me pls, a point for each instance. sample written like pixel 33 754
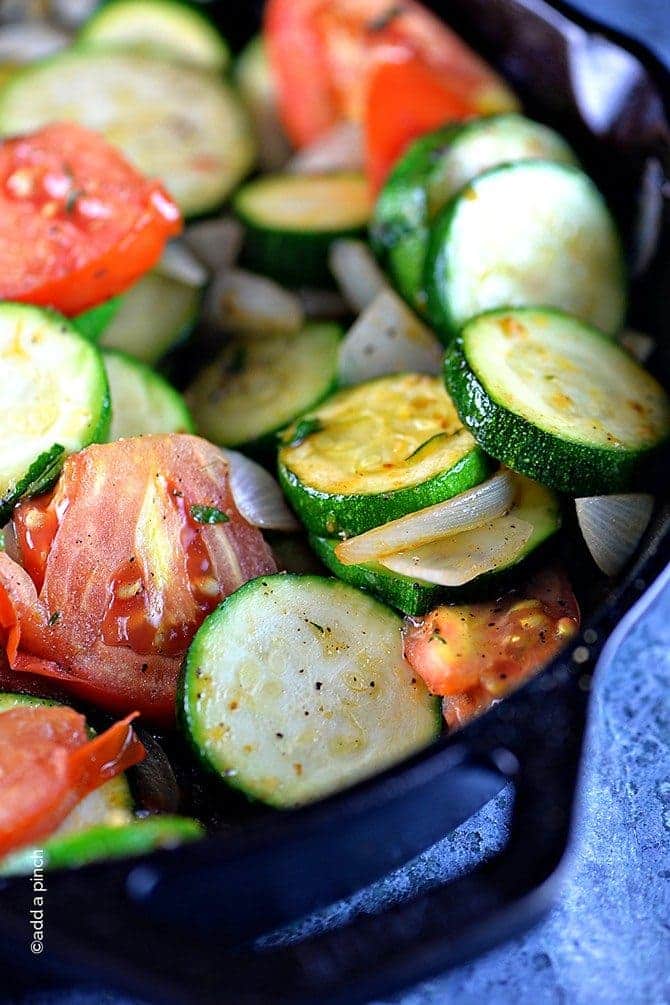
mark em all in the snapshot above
pixel 375 452
pixel 296 687
pixel 172 120
pixel 434 168
pixel 92 323
pixel 257 386
pixel 142 401
pixel 291 221
pixel 109 805
pixel 55 399
pixel 166 28
pixel 155 316
pixel 104 841
pixel 412 595
pixel 526 234
pixel 556 400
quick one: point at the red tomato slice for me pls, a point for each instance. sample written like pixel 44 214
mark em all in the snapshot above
pixel 115 575
pixel 48 764
pixel 474 654
pixel 78 223
pixel 322 51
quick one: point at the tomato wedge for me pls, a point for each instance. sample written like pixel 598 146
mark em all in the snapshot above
pixel 473 654
pixel 117 568
pixel 322 52
pixel 78 223
pixel 48 764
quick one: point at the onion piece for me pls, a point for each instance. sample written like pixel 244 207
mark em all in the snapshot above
pixel 357 273
pixel 26 41
pixel 612 527
pixel 460 558
pixel 388 338
pixel 257 495
pixel 638 344
pixel 217 243
pixel 340 149
pixel 322 305
pixel 252 305
pixel 73 12
pixel 470 509
pixel 179 263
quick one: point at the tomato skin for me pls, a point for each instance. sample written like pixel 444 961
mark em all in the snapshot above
pixel 129 576
pixel 48 764
pixel 78 223
pixel 323 52
pixel 474 654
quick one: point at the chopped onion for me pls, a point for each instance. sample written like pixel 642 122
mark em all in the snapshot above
pixel 216 243
pixel 25 41
pixel 470 509
pixel 248 304
pixel 638 344
pixel 357 273
pixel 388 338
pixel 322 304
pixel 460 558
pixel 340 149
pixel 257 495
pixel 73 12
pixel 179 263
pixel 613 526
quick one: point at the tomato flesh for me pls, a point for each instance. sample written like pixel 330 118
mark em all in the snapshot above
pixel 114 574
pixel 79 223
pixel 474 654
pixel 48 764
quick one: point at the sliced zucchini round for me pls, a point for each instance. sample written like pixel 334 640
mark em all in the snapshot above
pixel 166 28
pixel 257 386
pixel 155 316
pixel 296 687
pixel 142 401
pixel 533 233
pixel 376 451
pixel 104 841
pixel 55 399
pixel 434 168
pixel 291 221
pixel 556 400
pixel 533 504
pixel 173 121
pixel 92 323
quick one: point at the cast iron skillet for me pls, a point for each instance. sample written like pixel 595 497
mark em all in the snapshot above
pixel 177 926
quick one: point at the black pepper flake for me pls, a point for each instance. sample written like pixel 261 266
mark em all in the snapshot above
pixel 318 685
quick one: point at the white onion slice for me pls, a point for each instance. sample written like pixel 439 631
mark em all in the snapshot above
pixel 638 344
pixel 460 558
pixel 340 149
pixel 257 495
pixel 357 273
pixel 470 509
pixel 216 243
pixel 179 263
pixel 388 338
pixel 73 12
pixel 612 527
pixel 25 41
pixel 322 305
pixel 248 304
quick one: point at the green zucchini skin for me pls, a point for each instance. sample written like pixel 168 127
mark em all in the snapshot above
pixel 443 260
pixel 92 323
pixel 574 468
pixel 104 841
pixel 430 173
pixel 332 515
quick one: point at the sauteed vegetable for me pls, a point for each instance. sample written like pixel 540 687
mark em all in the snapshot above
pixel 294 486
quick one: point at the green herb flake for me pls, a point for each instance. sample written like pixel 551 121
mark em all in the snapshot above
pixel 208 514
pixel 54 618
pixel 303 429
